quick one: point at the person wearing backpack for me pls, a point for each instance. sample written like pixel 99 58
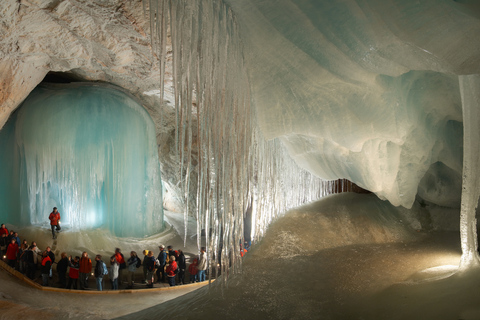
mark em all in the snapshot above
pixel 150 268
pixel 101 270
pixel 132 267
pixel 73 272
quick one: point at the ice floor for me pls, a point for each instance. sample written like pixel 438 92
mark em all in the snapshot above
pixel 348 256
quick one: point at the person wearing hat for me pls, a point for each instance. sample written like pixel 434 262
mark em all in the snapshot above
pixel 54 221
pixel 162 258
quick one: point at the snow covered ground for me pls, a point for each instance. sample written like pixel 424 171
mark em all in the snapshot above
pixel 347 256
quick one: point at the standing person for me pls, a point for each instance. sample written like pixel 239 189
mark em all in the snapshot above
pixel 22 257
pixel 62 267
pixel 73 273
pixel 30 263
pixel 45 268
pixel 181 267
pixel 85 269
pixel 121 263
pixel 4 243
pixel 144 264
pixel 37 253
pixel 37 256
pixel 10 236
pixel 114 272
pixel 150 269
pixel 132 267
pixel 170 252
pixel 100 271
pixel 3 230
pixel 202 265
pixel 17 238
pixel 192 269
pixel 52 257
pixel 172 271
pixel 54 221
pixel 162 259
pixel 12 252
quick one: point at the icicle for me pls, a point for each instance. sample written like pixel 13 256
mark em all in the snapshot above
pixel 224 159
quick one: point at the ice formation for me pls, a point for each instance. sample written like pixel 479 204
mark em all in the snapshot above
pixel 89 150
pixel 470 89
pixel 395 91
pixel 235 167
pixel 388 75
pixel 363 90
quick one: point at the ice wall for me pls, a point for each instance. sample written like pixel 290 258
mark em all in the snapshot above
pixel 365 90
pixel 89 150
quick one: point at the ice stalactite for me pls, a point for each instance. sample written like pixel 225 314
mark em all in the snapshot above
pixel 89 150
pixel 470 91
pixel 227 166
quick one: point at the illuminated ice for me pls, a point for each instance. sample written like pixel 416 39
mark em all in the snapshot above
pixel 366 91
pixel 89 150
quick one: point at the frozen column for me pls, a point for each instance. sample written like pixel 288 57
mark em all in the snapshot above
pixel 470 91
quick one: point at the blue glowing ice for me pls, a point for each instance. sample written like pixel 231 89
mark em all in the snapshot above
pixel 89 150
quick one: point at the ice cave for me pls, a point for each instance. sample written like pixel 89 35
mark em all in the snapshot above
pixel 340 137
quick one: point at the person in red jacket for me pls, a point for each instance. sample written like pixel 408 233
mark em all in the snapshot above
pixel 3 230
pixel 192 269
pixel 73 272
pixel 85 269
pixel 122 264
pixel 54 221
pixel 172 270
pixel 12 251
pixel 45 268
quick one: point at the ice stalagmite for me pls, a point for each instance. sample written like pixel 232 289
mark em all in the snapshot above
pixel 89 150
pixel 470 90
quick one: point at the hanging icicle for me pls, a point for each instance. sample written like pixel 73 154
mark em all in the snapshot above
pixel 224 160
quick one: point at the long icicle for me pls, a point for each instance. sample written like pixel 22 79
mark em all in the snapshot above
pixel 226 164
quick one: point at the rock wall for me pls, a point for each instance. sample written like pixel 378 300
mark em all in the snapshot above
pixel 87 40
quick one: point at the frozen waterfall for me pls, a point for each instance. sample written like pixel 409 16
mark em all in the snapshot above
pixel 89 150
